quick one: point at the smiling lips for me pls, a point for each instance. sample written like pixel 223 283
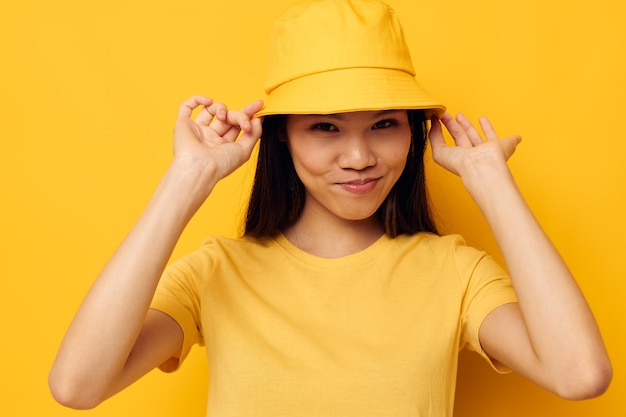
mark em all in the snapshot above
pixel 359 187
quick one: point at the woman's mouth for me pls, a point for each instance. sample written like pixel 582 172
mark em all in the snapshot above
pixel 359 187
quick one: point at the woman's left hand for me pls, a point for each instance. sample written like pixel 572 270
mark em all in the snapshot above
pixel 472 153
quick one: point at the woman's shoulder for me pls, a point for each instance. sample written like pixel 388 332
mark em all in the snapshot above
pixel 216 243
pixel 437 248
pixel 236 250
pixel 217 252
pixel 430 241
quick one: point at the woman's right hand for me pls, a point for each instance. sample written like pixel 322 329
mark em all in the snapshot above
pixel 219 139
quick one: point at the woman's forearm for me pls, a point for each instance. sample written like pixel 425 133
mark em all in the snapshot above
pixel 560 325
pixel 99 340
pixel 95 358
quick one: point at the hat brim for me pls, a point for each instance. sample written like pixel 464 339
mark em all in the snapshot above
pixel 349 90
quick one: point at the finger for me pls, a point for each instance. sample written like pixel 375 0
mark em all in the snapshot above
pixel 238 122
pixel 456 130
pixel 217 110
pixel 487 128
pixel 189 105
pixel 241 120
pixel 509 144
pixel 436 138
pixel 252 108
pixel 229 123
pixel 219 113
pixel 205 117
pixel 249 139
pixel 470 130
pixel 435 134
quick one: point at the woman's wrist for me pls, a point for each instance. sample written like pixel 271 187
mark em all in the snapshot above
pixel 185 186
pixel 489 183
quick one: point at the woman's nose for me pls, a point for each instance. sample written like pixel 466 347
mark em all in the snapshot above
pixel 356 154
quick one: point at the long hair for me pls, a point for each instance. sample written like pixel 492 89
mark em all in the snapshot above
pixel 278 195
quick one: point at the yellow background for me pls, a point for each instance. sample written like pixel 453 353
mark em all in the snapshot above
pixel 89 93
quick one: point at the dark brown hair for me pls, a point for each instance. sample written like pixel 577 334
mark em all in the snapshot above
pixel 278 195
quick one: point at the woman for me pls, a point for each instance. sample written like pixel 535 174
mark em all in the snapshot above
pixel 340 299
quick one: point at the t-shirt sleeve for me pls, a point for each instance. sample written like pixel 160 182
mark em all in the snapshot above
pixel 177 295
pixel 488 286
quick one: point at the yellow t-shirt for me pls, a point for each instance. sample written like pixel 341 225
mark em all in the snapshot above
pixel 376 333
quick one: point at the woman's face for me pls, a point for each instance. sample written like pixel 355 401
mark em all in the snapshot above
pixel 348 162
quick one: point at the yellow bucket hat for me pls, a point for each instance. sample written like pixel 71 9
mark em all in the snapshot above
pixel 335 56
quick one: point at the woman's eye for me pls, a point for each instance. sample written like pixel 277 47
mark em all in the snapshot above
pixel 384 124
pixel 325 127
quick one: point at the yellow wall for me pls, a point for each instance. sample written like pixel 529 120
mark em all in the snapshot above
pixel 89 92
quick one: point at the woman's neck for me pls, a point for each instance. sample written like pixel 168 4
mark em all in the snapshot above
pixel 333 238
